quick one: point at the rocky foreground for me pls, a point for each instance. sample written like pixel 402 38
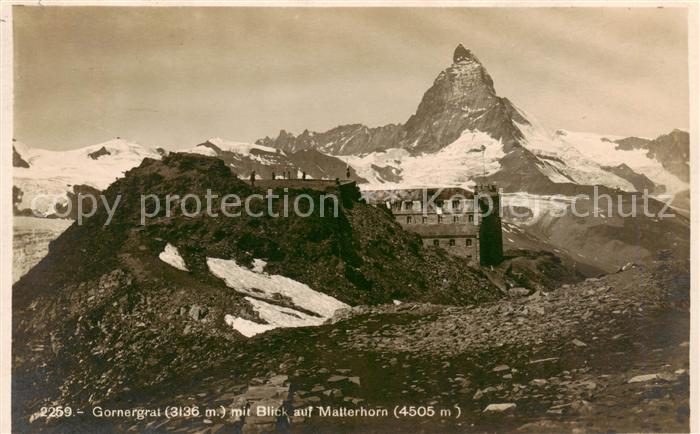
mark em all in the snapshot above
pixel 607 354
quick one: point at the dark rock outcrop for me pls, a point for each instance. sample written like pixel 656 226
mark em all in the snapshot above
pixel 461 54
pixel 17 160
pixel 17 194
pixel 99 153
pixel 351 139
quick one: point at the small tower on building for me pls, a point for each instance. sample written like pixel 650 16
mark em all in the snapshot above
pixel 490 235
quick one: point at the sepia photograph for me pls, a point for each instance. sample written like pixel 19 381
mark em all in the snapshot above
pixel 350 217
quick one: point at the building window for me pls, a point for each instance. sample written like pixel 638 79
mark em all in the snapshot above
pixel 469 257
pixel 408 219
pixel 455 204
pixel 471 217
pixel 408 205
pixel 436 243
pixel 455 219
pixel 452 242
pixel 439 219
pixel 425 220
pixel 469 242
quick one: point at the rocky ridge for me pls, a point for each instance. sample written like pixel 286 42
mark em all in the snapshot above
pixel 607 353
pixel 672 149
pixel 103 319
pixel 244 159
pixel 461 98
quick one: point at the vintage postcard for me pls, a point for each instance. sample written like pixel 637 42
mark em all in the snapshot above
pixel 348 217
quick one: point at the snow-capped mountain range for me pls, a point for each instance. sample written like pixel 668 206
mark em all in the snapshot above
pixel 45 176
pixel 462 133
pixel 45 180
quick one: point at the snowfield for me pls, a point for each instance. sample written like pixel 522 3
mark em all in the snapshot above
pixel 264 290
pixel 564 157
pixel 584 154
pixel 472 154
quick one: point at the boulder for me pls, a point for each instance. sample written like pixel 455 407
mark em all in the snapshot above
pixel 518 292
pixel 198 313
pixel 579 343
pixel 627 266
pixel 501 407
pixel 643 378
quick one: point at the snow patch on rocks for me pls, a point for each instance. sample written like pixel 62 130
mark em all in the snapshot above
pixel 280 316
pixel 245 327
pixel 264 290
pixel 172 257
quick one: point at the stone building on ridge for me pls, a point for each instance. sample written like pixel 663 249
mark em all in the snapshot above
pixel 454 219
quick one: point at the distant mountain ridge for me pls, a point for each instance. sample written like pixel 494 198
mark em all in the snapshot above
pixel 461 98
pixel 48 178
pixel 245 158
pixel 462 133
pixel 52 179
pixel 672 150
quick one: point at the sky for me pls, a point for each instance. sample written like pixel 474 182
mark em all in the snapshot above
pixel 175 76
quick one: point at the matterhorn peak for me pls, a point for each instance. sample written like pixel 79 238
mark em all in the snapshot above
pixel 462 54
